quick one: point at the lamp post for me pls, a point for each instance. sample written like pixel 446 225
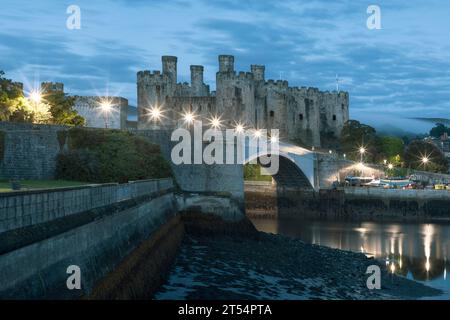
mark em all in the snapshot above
pixel 155 115
pixel 35 97
pixel 215 122
pixel 239 128
pixel 106 109
pixel 425 161
pixel 189 118
pixel 362 150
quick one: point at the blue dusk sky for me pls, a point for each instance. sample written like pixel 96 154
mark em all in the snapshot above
pixel 398 72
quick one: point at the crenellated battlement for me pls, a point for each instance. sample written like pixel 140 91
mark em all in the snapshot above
pixel 277 83
pixel 148 76
pixel 298 112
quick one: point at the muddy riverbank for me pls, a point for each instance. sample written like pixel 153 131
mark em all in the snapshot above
pixel 277 267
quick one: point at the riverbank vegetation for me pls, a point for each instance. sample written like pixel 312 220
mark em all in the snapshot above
pixel 382 149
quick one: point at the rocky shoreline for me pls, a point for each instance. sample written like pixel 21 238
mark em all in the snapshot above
pixel 277 267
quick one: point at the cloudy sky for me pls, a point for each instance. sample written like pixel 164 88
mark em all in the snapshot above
pixel 400 71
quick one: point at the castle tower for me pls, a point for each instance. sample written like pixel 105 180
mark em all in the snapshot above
pixel 226 63
pixel 258 72
pixel 169 68
pixel 197 80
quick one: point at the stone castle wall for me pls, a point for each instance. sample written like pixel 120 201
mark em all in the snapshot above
pixel 90 109
pixel 30 151
pixel 301 114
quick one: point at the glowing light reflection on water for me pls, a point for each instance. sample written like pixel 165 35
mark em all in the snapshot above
pixel 415 250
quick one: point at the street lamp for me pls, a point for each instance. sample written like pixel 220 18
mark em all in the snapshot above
pixel 215 122
pixel 362 150
pixel 390 166
pixel 273 139
pixel 155 113
pixel 425 161
pixel 239 128
pixel 105 107
pixel 257 133
pixel 188 118
pixel 35 96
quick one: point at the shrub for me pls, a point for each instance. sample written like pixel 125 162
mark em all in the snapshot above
pixel 110 156
pixel 78 165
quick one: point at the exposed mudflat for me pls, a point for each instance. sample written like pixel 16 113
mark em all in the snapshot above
pixel 277 267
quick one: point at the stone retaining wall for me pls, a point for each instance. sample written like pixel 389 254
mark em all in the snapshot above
pixel 96 240
pixel 30 151
pixel 25 208
pixel 414 194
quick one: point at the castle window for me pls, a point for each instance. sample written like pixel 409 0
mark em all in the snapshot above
pixel 300 116
pixel 272 113
pixel 334 117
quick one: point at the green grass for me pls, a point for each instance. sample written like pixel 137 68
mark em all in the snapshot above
pixel 252 173
pixel 5 186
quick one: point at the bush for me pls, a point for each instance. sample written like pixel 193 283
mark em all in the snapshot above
pixel 77 165
pixel 110 156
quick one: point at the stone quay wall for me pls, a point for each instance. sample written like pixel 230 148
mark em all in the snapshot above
pixel 25 208
pixel 34 259
pixel 350 203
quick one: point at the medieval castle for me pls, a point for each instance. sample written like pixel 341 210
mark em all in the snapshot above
pixel 304 115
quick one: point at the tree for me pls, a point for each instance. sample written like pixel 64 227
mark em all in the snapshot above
pixel 439 130
pixel 392 148
pixel 12 102
pixel 418 150
pixel 61 109
pixel 355 135
pixel 55 107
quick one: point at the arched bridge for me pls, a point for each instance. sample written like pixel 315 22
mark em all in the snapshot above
pixel 296 165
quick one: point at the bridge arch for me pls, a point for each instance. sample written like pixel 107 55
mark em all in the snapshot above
pixel 289 174
pixel 297 166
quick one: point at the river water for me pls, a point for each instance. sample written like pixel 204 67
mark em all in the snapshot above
pixel 419 251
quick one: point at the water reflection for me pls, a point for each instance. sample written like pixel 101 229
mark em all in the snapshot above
pixel 415 250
